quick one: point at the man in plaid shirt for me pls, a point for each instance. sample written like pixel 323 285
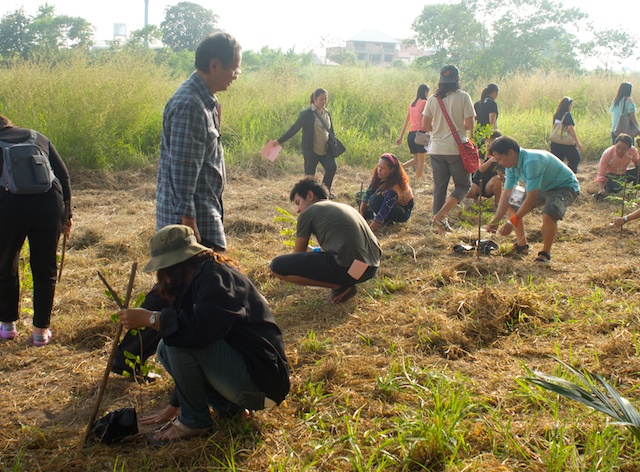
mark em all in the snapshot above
pixel 191 173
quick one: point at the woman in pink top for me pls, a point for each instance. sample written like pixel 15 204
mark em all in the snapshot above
pixel 614 163
pixel 414 116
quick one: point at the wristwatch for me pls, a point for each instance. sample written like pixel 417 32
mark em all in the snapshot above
pixel 152 318
pixel 625 218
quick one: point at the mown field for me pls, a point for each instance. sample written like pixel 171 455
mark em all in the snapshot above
pixel 423 370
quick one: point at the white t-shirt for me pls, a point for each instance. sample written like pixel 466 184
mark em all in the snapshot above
pixel 459 106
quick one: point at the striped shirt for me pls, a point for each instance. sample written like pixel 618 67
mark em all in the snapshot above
pixel 191 171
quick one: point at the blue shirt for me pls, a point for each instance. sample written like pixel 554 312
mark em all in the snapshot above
pixel 191 171
pixel 540 170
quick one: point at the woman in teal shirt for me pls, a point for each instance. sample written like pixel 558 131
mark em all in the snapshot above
pixel 622 105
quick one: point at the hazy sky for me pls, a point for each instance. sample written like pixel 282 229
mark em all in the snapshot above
pixel 293 23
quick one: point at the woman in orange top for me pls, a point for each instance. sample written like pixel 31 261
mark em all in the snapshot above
pixel 414 116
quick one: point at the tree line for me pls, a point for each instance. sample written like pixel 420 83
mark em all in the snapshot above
pixel 485 38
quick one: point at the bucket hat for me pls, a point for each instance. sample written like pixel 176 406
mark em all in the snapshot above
pixel 171 245
pixel 449 75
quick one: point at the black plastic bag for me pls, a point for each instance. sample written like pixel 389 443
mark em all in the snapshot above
pixel 116 425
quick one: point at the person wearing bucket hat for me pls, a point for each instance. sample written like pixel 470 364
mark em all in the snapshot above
pixel 446 162
pixel 220 342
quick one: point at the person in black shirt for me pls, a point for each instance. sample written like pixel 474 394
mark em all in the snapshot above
pixel 42 218
pixel 220 342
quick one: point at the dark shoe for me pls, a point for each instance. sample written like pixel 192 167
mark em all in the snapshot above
pixel 522 250
pixel 342 294
pixel 543 257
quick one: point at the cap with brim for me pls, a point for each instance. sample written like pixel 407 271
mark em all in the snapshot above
pixel 171 245
pixel 449 75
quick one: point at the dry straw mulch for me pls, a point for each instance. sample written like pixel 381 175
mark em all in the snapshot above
pixel 482 318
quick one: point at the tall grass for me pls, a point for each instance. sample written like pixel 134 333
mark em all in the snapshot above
pixel 108 113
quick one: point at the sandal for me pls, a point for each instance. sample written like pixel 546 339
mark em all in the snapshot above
pixel 522 250
pixel 543 257
pixel 182 433
pixel 443 225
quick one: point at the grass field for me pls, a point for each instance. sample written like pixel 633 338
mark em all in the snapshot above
pixel 423 370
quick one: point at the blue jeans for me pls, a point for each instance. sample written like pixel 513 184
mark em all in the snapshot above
pixel 214 375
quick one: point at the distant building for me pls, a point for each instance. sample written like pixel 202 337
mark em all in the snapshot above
pixel 375 47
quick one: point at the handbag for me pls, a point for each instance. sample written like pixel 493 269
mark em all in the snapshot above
pixel 334 144
pixel 626 125
pixel 558 134
pixel 422 138
pixel 468 150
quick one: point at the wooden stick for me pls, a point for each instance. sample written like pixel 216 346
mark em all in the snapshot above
pixel 64 250
pixel 479 220
pixel 114 347
pixel 624 195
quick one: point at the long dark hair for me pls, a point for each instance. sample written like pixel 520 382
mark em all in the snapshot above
pixel 446 89
pixel 316 94
pixel 423 90
pixel 623 91
pixel 563 107
pixel 488 90
pixel 398 177
pixel 173 280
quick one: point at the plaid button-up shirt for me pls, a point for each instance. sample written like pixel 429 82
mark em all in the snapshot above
pixel 191 171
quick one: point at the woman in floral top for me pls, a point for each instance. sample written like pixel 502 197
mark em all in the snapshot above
pixel 614 166
pixel 389 197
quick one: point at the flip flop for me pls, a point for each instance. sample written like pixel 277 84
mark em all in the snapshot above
pixel 443 225
pixel 185 433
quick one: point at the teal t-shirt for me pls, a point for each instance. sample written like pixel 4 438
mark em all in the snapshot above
pixel 616 110
pixel 540 170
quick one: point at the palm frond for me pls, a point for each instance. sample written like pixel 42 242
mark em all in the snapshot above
pixel 607 400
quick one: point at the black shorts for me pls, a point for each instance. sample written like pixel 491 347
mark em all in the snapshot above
pixel 413 147
pixel 320 266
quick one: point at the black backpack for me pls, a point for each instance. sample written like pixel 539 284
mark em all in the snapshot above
pixel 25 167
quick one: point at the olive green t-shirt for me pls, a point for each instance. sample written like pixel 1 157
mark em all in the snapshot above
pixel 341 231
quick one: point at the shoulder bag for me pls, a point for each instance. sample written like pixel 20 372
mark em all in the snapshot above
pixel 626 125
pixel 468 150
pixel 559 135
pixel 334 144
pixel 422 138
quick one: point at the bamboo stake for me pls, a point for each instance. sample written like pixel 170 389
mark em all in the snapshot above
pixel 114 347
pixel 64 250
pixel 479 220
pixel 624 195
